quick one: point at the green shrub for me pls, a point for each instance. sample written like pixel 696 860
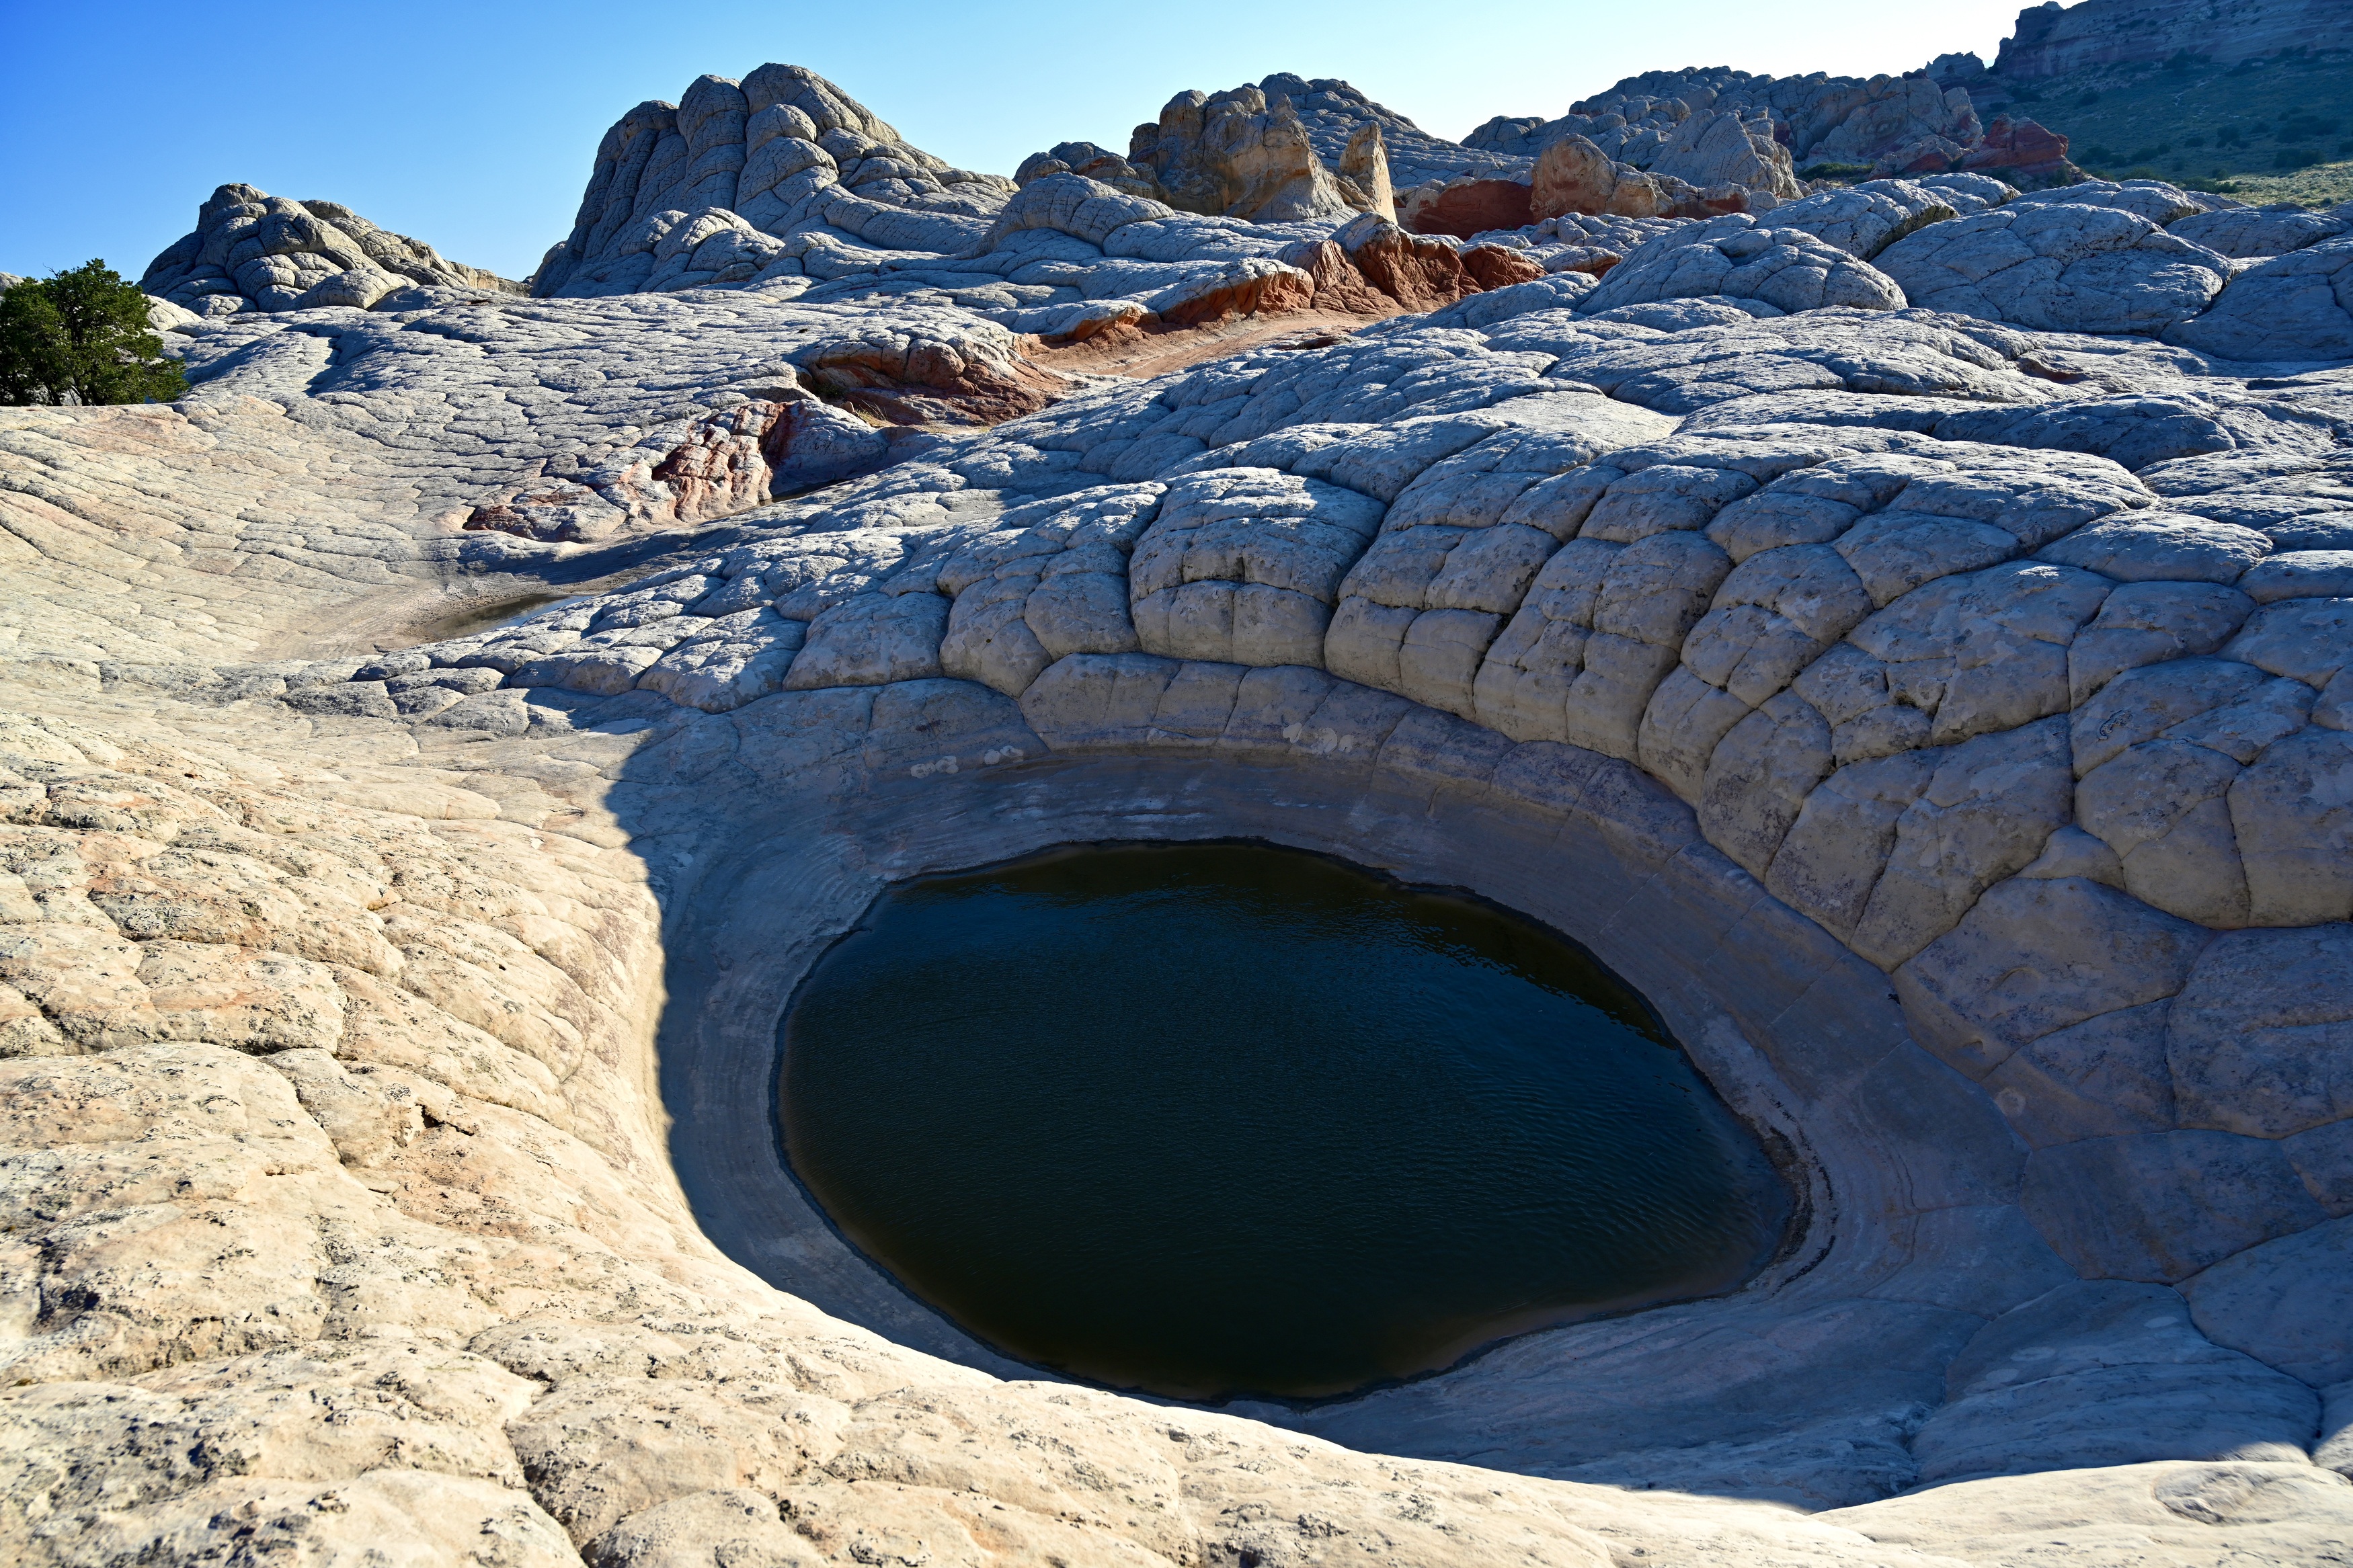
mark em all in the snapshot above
pixel 81 337
pixel 2294 158
pixel 1829 171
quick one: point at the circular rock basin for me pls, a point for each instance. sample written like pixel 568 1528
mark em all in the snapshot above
pixel 1219 1119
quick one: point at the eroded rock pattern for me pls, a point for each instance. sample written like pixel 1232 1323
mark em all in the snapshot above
pixel 254 251
pixel 1942 722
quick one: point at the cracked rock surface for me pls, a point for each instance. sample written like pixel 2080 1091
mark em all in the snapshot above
pixel 432 751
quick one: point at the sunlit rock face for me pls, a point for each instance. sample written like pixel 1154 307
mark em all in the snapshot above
pixel 1905 650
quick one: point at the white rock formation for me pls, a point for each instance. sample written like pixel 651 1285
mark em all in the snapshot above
pixel 255 252
pixel 1938 720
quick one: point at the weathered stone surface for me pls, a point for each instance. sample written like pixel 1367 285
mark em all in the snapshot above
pixel 251 251
pixel 2059 267
pixel 2279 1302
pixel 2101 1372
pixel 362 905
pixel 1866 220
pixel 2296 307
pixel 2161 1206
pixel 1735 259
pixel 2256 231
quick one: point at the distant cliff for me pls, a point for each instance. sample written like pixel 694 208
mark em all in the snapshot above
pixel 2052 40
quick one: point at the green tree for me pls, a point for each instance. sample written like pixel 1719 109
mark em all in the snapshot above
pixel 82 337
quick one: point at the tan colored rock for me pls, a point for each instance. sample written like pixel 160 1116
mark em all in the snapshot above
pixel 1365 165
pixel 1418 273
pixel 1499 265
pixel 1233 155
pixel 1572 175
pixel 1339 285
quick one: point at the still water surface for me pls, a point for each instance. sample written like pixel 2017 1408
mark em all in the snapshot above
pixel 1208 1120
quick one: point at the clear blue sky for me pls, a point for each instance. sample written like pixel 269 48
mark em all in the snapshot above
pixel 472 126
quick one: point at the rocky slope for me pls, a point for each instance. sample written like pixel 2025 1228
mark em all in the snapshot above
pixel 2204 92
pixel 2056 40
pixel 1902 632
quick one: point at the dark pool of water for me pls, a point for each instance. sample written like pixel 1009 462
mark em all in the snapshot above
pixel 1223 1119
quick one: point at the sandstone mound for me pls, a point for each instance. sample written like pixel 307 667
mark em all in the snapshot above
pixel 433 752
pixel 1734 257
pixel 783 186
pixel 2298 306
pixel 708 190
pixel 1238 154
pixel 2060 267
pixel 2258 231
pixel 256 252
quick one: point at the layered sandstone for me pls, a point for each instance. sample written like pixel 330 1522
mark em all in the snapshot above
pixel 1904 633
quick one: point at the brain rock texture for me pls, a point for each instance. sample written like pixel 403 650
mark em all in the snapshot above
pixel 1908 633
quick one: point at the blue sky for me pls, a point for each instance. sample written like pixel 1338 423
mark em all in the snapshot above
pixel 472 126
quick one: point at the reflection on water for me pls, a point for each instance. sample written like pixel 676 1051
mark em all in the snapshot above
pixel 1217 1119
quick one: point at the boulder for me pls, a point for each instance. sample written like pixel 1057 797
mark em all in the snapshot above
pixel 2296 308
pixel 1896 120
pixel 1335 115
pixel 2023 151
pixel 1089 162
pixel 1572 175
pixel 2059 267
pixel 1864 220
pixel 1365 173
pixel 1709 150
pixel 1235 154
pixel 1735 258
pixel 2257 231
